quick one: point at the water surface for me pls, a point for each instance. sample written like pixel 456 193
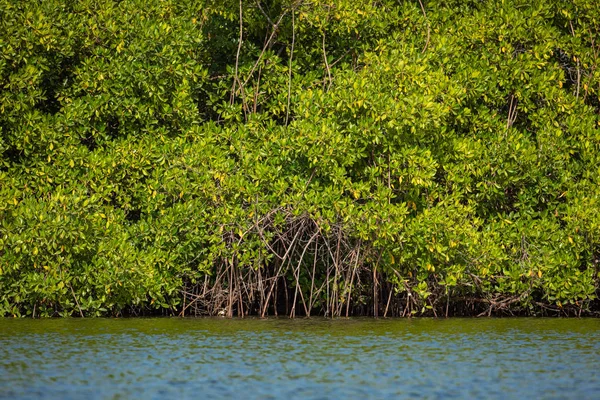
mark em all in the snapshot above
pixel 293 359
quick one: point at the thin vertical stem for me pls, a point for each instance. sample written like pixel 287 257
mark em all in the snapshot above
pixel 237 56
pixel 326 63
pixel 289 96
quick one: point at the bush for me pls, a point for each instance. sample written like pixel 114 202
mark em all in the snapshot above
pixel 343 158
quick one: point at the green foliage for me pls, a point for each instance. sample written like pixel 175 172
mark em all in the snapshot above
pixel 344 157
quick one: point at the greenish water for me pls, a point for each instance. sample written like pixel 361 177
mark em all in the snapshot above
pixel 317 358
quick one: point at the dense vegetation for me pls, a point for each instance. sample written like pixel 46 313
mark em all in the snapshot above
pixel 332 157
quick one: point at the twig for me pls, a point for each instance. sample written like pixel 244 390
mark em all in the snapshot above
pixel 428 27
pixel 263 12
pixel 388 302
pixel 287 112
pixel 264 49
pixel 341 57
pixel 326 63
pixel 578 67
pixel 237 56
pixel 512 112
pixel 76 302
pixel 352 279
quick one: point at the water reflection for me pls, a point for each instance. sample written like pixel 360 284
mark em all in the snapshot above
pixel 317 358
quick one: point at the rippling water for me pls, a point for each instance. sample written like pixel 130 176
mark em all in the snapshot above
pixel 317 358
